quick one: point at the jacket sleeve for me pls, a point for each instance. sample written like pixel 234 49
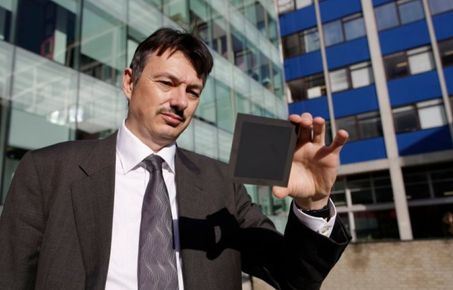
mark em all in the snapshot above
pixel 299 259
pixel 21 227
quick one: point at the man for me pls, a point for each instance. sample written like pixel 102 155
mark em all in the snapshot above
pixel 78 214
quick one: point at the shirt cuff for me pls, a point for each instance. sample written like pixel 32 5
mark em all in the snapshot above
pixel 317 224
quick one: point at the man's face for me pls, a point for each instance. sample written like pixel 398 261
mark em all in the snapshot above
pixel 163 100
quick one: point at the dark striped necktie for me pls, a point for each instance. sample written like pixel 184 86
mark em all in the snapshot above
pixel 156 254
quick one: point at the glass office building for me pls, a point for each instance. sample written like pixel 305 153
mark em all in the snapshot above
pixel 383 70
pixel 61 64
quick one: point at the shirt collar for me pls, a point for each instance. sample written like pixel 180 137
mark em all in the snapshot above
pixel 131 150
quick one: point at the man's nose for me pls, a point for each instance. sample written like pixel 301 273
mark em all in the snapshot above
pixel 179 98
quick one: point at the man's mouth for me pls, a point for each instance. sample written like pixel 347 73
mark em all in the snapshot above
pixel 172 118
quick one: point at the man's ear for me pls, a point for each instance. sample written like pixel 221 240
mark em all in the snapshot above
pixel 128 83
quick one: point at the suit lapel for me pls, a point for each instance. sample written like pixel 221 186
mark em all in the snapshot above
pixel 93 198
pixel 188 185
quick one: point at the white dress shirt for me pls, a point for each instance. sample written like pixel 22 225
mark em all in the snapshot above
pixel 131 180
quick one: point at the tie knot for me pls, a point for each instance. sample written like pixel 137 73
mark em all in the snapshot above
pixel 153 163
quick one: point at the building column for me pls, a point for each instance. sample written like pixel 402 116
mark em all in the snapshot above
pixel 439 69
pixel 325 68
pixel 396 175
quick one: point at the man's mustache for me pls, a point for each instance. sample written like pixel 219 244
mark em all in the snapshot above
pixel 173 110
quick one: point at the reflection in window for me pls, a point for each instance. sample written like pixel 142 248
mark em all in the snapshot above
pixel 354 27
pixel 303 3
pixel 374 225
pixel 410 11
pixel 386 16
pixel 411 62
pixel 405 119
pixel 439 6
pixel 5 21
pixel 362 126
pixel 420 60
pixel 349 124
pixel 290 5
pixel 396 65
pixel 431 221
pixel 339 80
pixel 285 6
pixel 354 76
pixel 224 110
pixel 206 110
pixel 416 185
pixel 307 88
pixel 423 115
pixel 177 11
pixel 431 114
pixel 53 33
pixel 369 125
pixel 432 182
pixel 300 42
pixel 401 12
pixel 103 47
pixel 311 40
pixel 446 51
pixel 219 37
pixel 333 33
pixel 361 75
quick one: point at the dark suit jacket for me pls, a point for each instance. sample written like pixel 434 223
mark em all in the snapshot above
pixel 55 230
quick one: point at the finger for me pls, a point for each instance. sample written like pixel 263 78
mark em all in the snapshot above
pixel 340 139
pixel 319 130
pixel 306 126
pixel 280 192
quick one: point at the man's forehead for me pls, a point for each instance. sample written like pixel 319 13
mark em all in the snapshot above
pixel 171 56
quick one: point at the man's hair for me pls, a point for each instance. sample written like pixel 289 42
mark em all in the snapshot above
pixel 165 39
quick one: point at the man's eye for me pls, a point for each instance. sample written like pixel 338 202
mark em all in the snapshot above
pixel 195 94
pixel 165 83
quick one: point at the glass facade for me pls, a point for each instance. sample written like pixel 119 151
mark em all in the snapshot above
pixel 62 63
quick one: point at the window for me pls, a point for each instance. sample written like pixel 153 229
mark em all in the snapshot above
pixel 442 182
pixel 402 12
pixel 54 29
pixel 354 27
pixel 311 40
pixel 439 6
pixel 339 80
pixel 355 76
pixel 396 66
pixel 361 75
pixel 300 42
pixel 362 126
pixel 372 225
pixel 386 16
pixel 431 114
pixel 345 29
pixel 303 3
pixel 410 11
pixel 333 33
pixel 285 6
pixel 446 52
pixel 5 22
pixel 369 125
pixel 423 115
pixel 405 119
pixel 307 88
pixel 420 60
pixel 292 45
pixel 411 62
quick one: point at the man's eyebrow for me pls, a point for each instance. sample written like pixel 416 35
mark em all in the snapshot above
pixel 178 81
